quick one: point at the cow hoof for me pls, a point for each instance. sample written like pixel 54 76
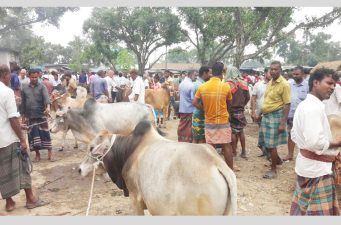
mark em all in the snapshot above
pixel 61 149
pixel 75 147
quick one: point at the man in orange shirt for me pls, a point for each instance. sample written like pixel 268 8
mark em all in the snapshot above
pixel 215 96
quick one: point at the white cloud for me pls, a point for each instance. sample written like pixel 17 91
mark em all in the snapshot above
pixel 71 25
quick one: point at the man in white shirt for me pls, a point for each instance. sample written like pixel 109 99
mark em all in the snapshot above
pixel 315 185
pixel 14 167
pixel 23 78
pixel 111 84
pixel 116 86
pixel 137 93
pixel 257 100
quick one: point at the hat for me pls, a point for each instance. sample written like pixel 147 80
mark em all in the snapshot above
pixel 45 76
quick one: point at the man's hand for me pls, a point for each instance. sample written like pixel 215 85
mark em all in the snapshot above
pixel 254 117
pixel 47 112
pixel 23 146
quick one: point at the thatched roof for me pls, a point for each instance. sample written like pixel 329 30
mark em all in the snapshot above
pixel 335 65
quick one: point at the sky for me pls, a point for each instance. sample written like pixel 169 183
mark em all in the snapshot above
pixel 71 25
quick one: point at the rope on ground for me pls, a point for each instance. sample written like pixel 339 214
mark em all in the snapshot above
pixel 92 188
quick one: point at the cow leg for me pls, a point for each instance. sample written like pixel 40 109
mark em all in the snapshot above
pixel 63 141
pixel 165 115
pixel 138 206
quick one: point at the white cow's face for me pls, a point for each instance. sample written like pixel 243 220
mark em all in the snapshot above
pixel 97 148
pixel 59 123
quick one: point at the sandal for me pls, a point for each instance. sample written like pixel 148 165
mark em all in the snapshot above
pixel 38 203
pixel 287 159
pixel 270 175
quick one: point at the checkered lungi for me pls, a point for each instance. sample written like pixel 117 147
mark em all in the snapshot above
pixel 198 126
pixel 39 135
pixel 218 133
pixel 13 172
pixel 185 127
pixel 315 196
pixel 268 136
pixel 237 121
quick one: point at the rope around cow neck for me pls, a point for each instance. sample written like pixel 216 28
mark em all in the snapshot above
pixel 96 164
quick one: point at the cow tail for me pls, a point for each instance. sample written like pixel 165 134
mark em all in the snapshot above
pixel 231 181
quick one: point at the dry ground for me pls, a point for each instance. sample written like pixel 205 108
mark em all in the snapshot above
pixel 68 192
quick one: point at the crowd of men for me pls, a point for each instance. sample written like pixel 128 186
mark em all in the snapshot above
pixel 290 110
pixel 212 104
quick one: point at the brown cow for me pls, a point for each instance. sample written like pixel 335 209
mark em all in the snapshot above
pixel 159 99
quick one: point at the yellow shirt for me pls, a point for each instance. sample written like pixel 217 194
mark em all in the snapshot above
pixel 214 94
pixel 277 94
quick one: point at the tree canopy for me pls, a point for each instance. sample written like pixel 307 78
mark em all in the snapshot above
pixel 235 29
pixel 141 30
pixel 13 18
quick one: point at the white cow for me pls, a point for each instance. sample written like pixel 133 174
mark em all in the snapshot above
pixel 119 118
pixel 166 177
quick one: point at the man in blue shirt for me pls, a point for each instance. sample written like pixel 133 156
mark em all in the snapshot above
pixel 186 108
pixel 99 86
pixel 299 90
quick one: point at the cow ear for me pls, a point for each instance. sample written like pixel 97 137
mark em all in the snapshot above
pixel 98 150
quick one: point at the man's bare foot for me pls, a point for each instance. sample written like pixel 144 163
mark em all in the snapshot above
pixel 10 206
pixel 36 159
pixel 236 168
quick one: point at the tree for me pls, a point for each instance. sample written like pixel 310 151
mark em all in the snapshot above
pixel 101 52
pixel 209 31
pixel 314 49
pixel 179 55
pixel 125 60
pixel 15 18
pixel 260 27
pixel 77 47
pixel 142 30
pixel 32 52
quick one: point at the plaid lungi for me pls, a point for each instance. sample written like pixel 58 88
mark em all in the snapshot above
pixel 39 135
pixel 268 136
pixel 13 172
pixel 237 121
pixel 218 133
pixel 315 196
pixel 185 127
pixel 198 126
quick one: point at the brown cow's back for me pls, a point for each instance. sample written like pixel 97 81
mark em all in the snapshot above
pixel 158 98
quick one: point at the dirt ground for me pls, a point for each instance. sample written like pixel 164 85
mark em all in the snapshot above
pixel 68 193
